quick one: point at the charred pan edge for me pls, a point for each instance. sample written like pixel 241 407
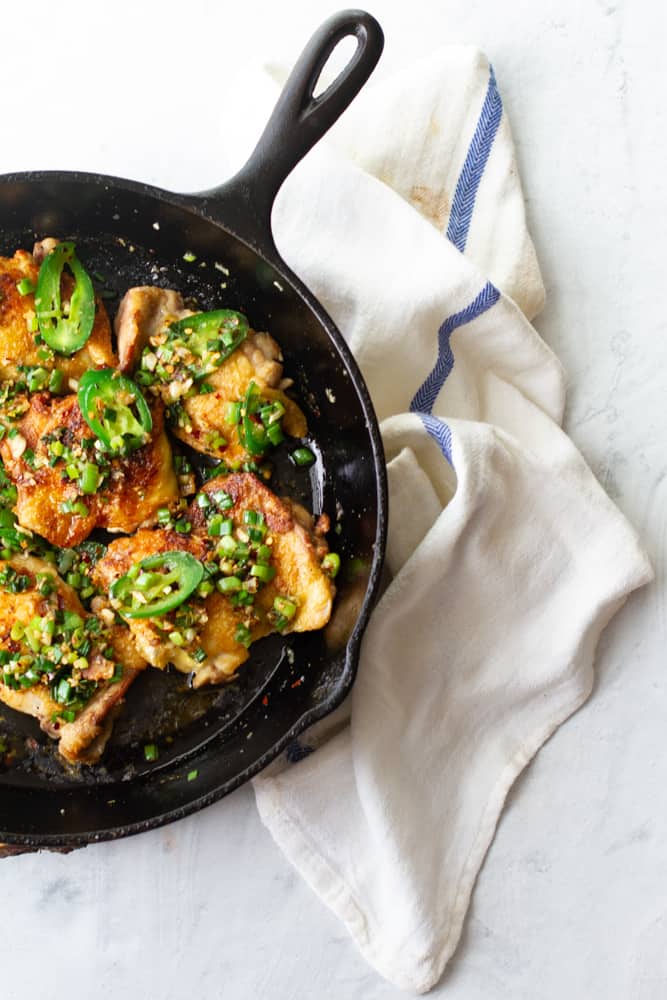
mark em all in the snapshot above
pixel 261 243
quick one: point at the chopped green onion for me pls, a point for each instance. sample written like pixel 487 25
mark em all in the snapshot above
pixel 193 774
pixel 229 584
pixel 215 525
pixel 90 478
pixel 151 751
pixel 243 635
pixel 252 517
pixel 227 545
pixel 189 257
pixel 241 552
pixel 62 691
pixel 263 572
pixel 37 379
pixel 74 507
pixel 303 457
pixel 25 286
pixel 275 434
pixel 272 414
pixel 244 598
pixel 222 499
pixel 283 606
pixel 233 413
pixel 331 564
pixel 56 379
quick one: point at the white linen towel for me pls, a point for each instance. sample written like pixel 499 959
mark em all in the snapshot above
pixel 507 559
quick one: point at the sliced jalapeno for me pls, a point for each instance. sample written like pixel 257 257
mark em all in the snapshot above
pixel 211 336
pixel 65 331
pixel 252 434
pixel 115 410
pixel 157 584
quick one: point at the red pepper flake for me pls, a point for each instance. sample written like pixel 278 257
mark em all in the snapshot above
pixel 265 700
pixel 297 683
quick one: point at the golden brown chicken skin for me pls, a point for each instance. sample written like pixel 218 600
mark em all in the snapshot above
pixel 209 645
pixel 200 419
pixel 18 343
pixel 33 603
pixel 50 502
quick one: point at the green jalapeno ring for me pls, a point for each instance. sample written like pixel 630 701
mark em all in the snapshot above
pixel 182 571
pixel 252 435
pixel 64 334
pixel 111 419
pixel 227 327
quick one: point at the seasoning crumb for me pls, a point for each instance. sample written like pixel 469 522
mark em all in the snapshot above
pixel 278 286
pixel 221 267
pixel 156 225
pixel 62 812
pixel 290 655
pixel 329 394
pixel 115 217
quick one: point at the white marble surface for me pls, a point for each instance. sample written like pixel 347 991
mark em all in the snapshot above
pixel 572 899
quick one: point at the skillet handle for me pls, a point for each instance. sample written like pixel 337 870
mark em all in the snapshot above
pixel 243 204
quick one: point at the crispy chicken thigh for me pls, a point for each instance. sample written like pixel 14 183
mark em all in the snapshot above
pixel 18 346
pixel 134 489
pixel 84 738
pixel 297 549
pixel 143 318
pixel 143 313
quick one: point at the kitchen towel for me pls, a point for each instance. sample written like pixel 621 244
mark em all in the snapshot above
pixel 506 557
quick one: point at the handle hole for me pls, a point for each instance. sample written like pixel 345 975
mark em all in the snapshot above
pixel 340 57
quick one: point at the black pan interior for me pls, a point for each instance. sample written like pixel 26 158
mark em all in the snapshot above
pixel 212 740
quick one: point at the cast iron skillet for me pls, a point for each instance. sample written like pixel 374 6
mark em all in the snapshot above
pixel 211 742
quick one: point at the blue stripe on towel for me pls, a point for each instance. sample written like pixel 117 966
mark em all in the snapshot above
pixel 296 751
pixel 473 168
pixel 440 433
pixel 423 401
